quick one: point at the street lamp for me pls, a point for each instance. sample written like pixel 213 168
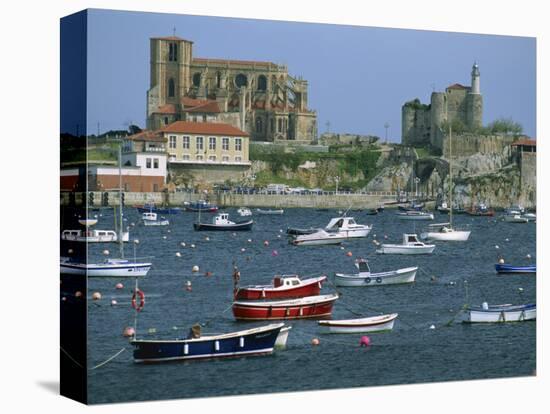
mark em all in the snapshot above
pixel 336 180
pixel 416 181
pixel 387 125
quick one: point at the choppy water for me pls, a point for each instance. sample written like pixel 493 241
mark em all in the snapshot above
pixel 411 353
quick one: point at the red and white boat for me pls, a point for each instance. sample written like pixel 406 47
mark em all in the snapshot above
pixel 283 287
pixel 319 306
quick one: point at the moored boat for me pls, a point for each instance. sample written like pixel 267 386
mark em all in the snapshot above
pixel 415 215
pixel 244 212
pixel 254 341
pixel 410 245
pixel 202 206
pixel 380 323
pixel 444 232
pixel 282 287
pixel 500 313
pixel 109 268
pixel 366 278
pixel 514 218
pixel 221 222
pixel 346 226
pixel 270 211
pixel 319 306
pixel 151 219
pixel 93 236
pixel 508 268
pixel 481 210
pixel 319 238
pixel 159 210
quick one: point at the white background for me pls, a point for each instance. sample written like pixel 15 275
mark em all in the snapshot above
pixel 29 74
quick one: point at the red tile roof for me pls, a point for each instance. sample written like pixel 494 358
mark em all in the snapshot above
pixel 190 102
pixel 526 142
pixel 210 107
pixel 457 86
pixel 206 128
pixel 146 135
pixel 166 109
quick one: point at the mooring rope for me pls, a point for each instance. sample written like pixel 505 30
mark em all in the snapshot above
pixel 109 359
pixel 70 357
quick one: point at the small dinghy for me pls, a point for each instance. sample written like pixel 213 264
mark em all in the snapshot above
pixel 255 341
pixel 270 212
pixel 508 268
pixel 319 238
pixel 93 236
pixel 221 222
pixel 282 287
pixel 382 323
pixel 481 210
pixel 88 222
pixel 410 245
pixel 244 212
pixel 318 306
pixel 366 278
pixel 415 215
pixel 500 313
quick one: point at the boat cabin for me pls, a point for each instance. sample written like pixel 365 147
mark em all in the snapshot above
pixel 149 216
pixel 341 223
pixel 221 219
pixel 412 240
pixel 288 281
pixel 362 265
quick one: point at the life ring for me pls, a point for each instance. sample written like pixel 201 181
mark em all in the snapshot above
pixel 135 305
pixel 378 280
pixel 367 280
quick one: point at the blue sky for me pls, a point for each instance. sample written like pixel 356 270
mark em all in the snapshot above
pixel 358 76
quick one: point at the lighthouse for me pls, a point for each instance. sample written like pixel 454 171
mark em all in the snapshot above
pixel 475 79
pixel 474 101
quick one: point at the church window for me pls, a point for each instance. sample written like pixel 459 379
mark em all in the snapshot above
pixel 259 125
pixel 197 79
pixel 262 83
pixel 173 52
pixel 171 88
pixel 240 80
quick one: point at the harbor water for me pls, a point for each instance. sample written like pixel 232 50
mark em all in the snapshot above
pixel 455 274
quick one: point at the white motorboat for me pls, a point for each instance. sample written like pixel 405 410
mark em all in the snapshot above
pixel 380 323
pixel 221 222
pixel 415 215
pixel 280 342
pixel 530 216
pixel 318 238
pixel 366 278
pixel 151 219
pixel 94 236
pixel 445 232
pixel 270 212
pixel 88 222
pixel 500 313
pixel 244 212
pixel 514 218
pixel 346 226
pixel 410 245
pixel 109 268
pixel 513 210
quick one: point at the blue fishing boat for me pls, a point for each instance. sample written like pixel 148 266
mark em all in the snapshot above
pixel 151 208
pixel 255 341
pixel 201 205
pixel 507 268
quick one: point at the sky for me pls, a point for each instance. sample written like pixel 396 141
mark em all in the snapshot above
pixel 359 77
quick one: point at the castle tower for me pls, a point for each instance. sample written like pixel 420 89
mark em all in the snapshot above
pixel 170 76
pixel 474 101
pixel 438 105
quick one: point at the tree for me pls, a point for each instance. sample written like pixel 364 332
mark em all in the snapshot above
pixel 505 126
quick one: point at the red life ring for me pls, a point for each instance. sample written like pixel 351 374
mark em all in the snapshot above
pixel 141 295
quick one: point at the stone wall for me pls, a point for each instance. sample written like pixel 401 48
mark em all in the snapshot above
pixel 528 169
pixel 205 175
pixel 469 144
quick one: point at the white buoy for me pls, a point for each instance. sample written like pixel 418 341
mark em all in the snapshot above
pixel 132 224
pixel 496 246
pixel 195 269
pixel 507 240
pixel 106 252
pixel 207 238
pixel 520 289
pixel 243 250
pixel 528 256
pixel 113 302
pixel 432 326
pixel 249 240
pixel 178 254
pixel 164 237
pixel 168 231
pixel 501 260
pixel 192 246
pixel 136 241
pixel 280 230
pixel 182 244
pixel 278 236
pixel 70 251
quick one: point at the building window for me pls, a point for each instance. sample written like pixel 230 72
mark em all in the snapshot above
pixel 225 144
pixel 240 80
pixel 238 159
pixel 148 163
pixel 272 125
pixel 259 125
pixel 204 118
pixel 172 143
pixel 238 144
pixel 279 125
pixel 262 83
pixel 212 143
pixel 185 157
pixel 200 143
pixel 211 158
pixel 173 52
pixel 155 162
pixel 185 142
pixel 225 158
pixel 171 88
pixel 196 79
pixel 200 158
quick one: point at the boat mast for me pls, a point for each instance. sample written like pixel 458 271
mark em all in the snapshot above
pixel 450 178
pixel 120 241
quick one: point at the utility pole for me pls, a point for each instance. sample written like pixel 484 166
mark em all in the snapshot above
pixel 386 125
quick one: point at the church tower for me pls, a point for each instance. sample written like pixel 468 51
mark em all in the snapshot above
pixel 170 74
pixel 474 101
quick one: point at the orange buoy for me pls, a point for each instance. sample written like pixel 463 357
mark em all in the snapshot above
pixel 208 274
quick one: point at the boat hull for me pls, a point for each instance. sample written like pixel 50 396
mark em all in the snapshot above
pixel 159 210
pixel 309 287
pixel 318 242
pixel 525 313
pixel 257 341
pixel 506 268
pixel 282 338
pixel 270 212
pixel 309 307
pixel 381 323
pixel 455 235
pixel 406 275
pixel 246 226
pixel 400 249
pixel 417 217
pixel 156 223
pixel 106 270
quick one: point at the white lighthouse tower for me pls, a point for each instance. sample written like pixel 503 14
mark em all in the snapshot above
pixel 475 79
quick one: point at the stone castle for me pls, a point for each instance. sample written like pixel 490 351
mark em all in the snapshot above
pixel 260 98
pixel 422 124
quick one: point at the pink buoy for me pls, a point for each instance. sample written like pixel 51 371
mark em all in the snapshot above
pixel 128 332
pixel 119 286
pixel 274 253
pixel 315 341
pixel 364 341
pixel 266 243
pixel 349 254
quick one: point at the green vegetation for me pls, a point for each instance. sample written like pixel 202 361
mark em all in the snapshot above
pixel 416 104
pixel 499 126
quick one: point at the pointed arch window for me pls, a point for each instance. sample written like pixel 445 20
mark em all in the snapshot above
pixel 171 88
